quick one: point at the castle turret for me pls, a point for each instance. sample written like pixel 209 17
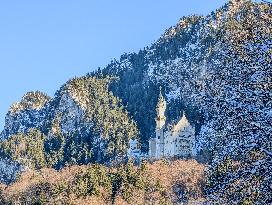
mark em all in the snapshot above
pixel 160 125
pixel 161 107
pixel 156 145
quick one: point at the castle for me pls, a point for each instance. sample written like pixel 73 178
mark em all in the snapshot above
pixel 174 141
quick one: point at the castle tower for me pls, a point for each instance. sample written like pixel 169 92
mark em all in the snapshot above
pixel 161 107
pixel 156 145
pixel 160 125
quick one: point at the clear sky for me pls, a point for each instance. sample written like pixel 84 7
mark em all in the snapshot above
pixel 44 43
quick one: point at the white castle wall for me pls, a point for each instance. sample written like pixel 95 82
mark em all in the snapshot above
pixel 178 141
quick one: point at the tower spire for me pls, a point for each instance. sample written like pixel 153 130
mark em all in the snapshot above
pixel 161 98
pixel 160 90
pixel 160 125
pixel 161 107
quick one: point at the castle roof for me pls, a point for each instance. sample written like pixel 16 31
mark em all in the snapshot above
pixel 183 122
pixel 161 99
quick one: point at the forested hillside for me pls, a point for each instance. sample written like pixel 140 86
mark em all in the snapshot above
pixel 84 123
pixel 217 68
pixel 152 183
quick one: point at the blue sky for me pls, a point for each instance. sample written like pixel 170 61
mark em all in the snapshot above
pixel 44 43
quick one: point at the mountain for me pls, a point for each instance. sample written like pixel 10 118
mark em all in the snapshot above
pixel 83 123
pixel 216 67
pixel 187 61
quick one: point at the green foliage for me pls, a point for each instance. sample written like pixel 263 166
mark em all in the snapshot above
pixel 98 180
pixel 111 126
pixel 92 181
pixel 127 179
pixel 27 149
pixel 54 144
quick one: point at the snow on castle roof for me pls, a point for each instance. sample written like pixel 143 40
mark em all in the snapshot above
pixel 181 124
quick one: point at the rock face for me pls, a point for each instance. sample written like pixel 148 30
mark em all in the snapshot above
pixel 29 112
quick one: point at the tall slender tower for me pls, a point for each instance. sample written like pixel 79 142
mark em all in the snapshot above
pixel 160 125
